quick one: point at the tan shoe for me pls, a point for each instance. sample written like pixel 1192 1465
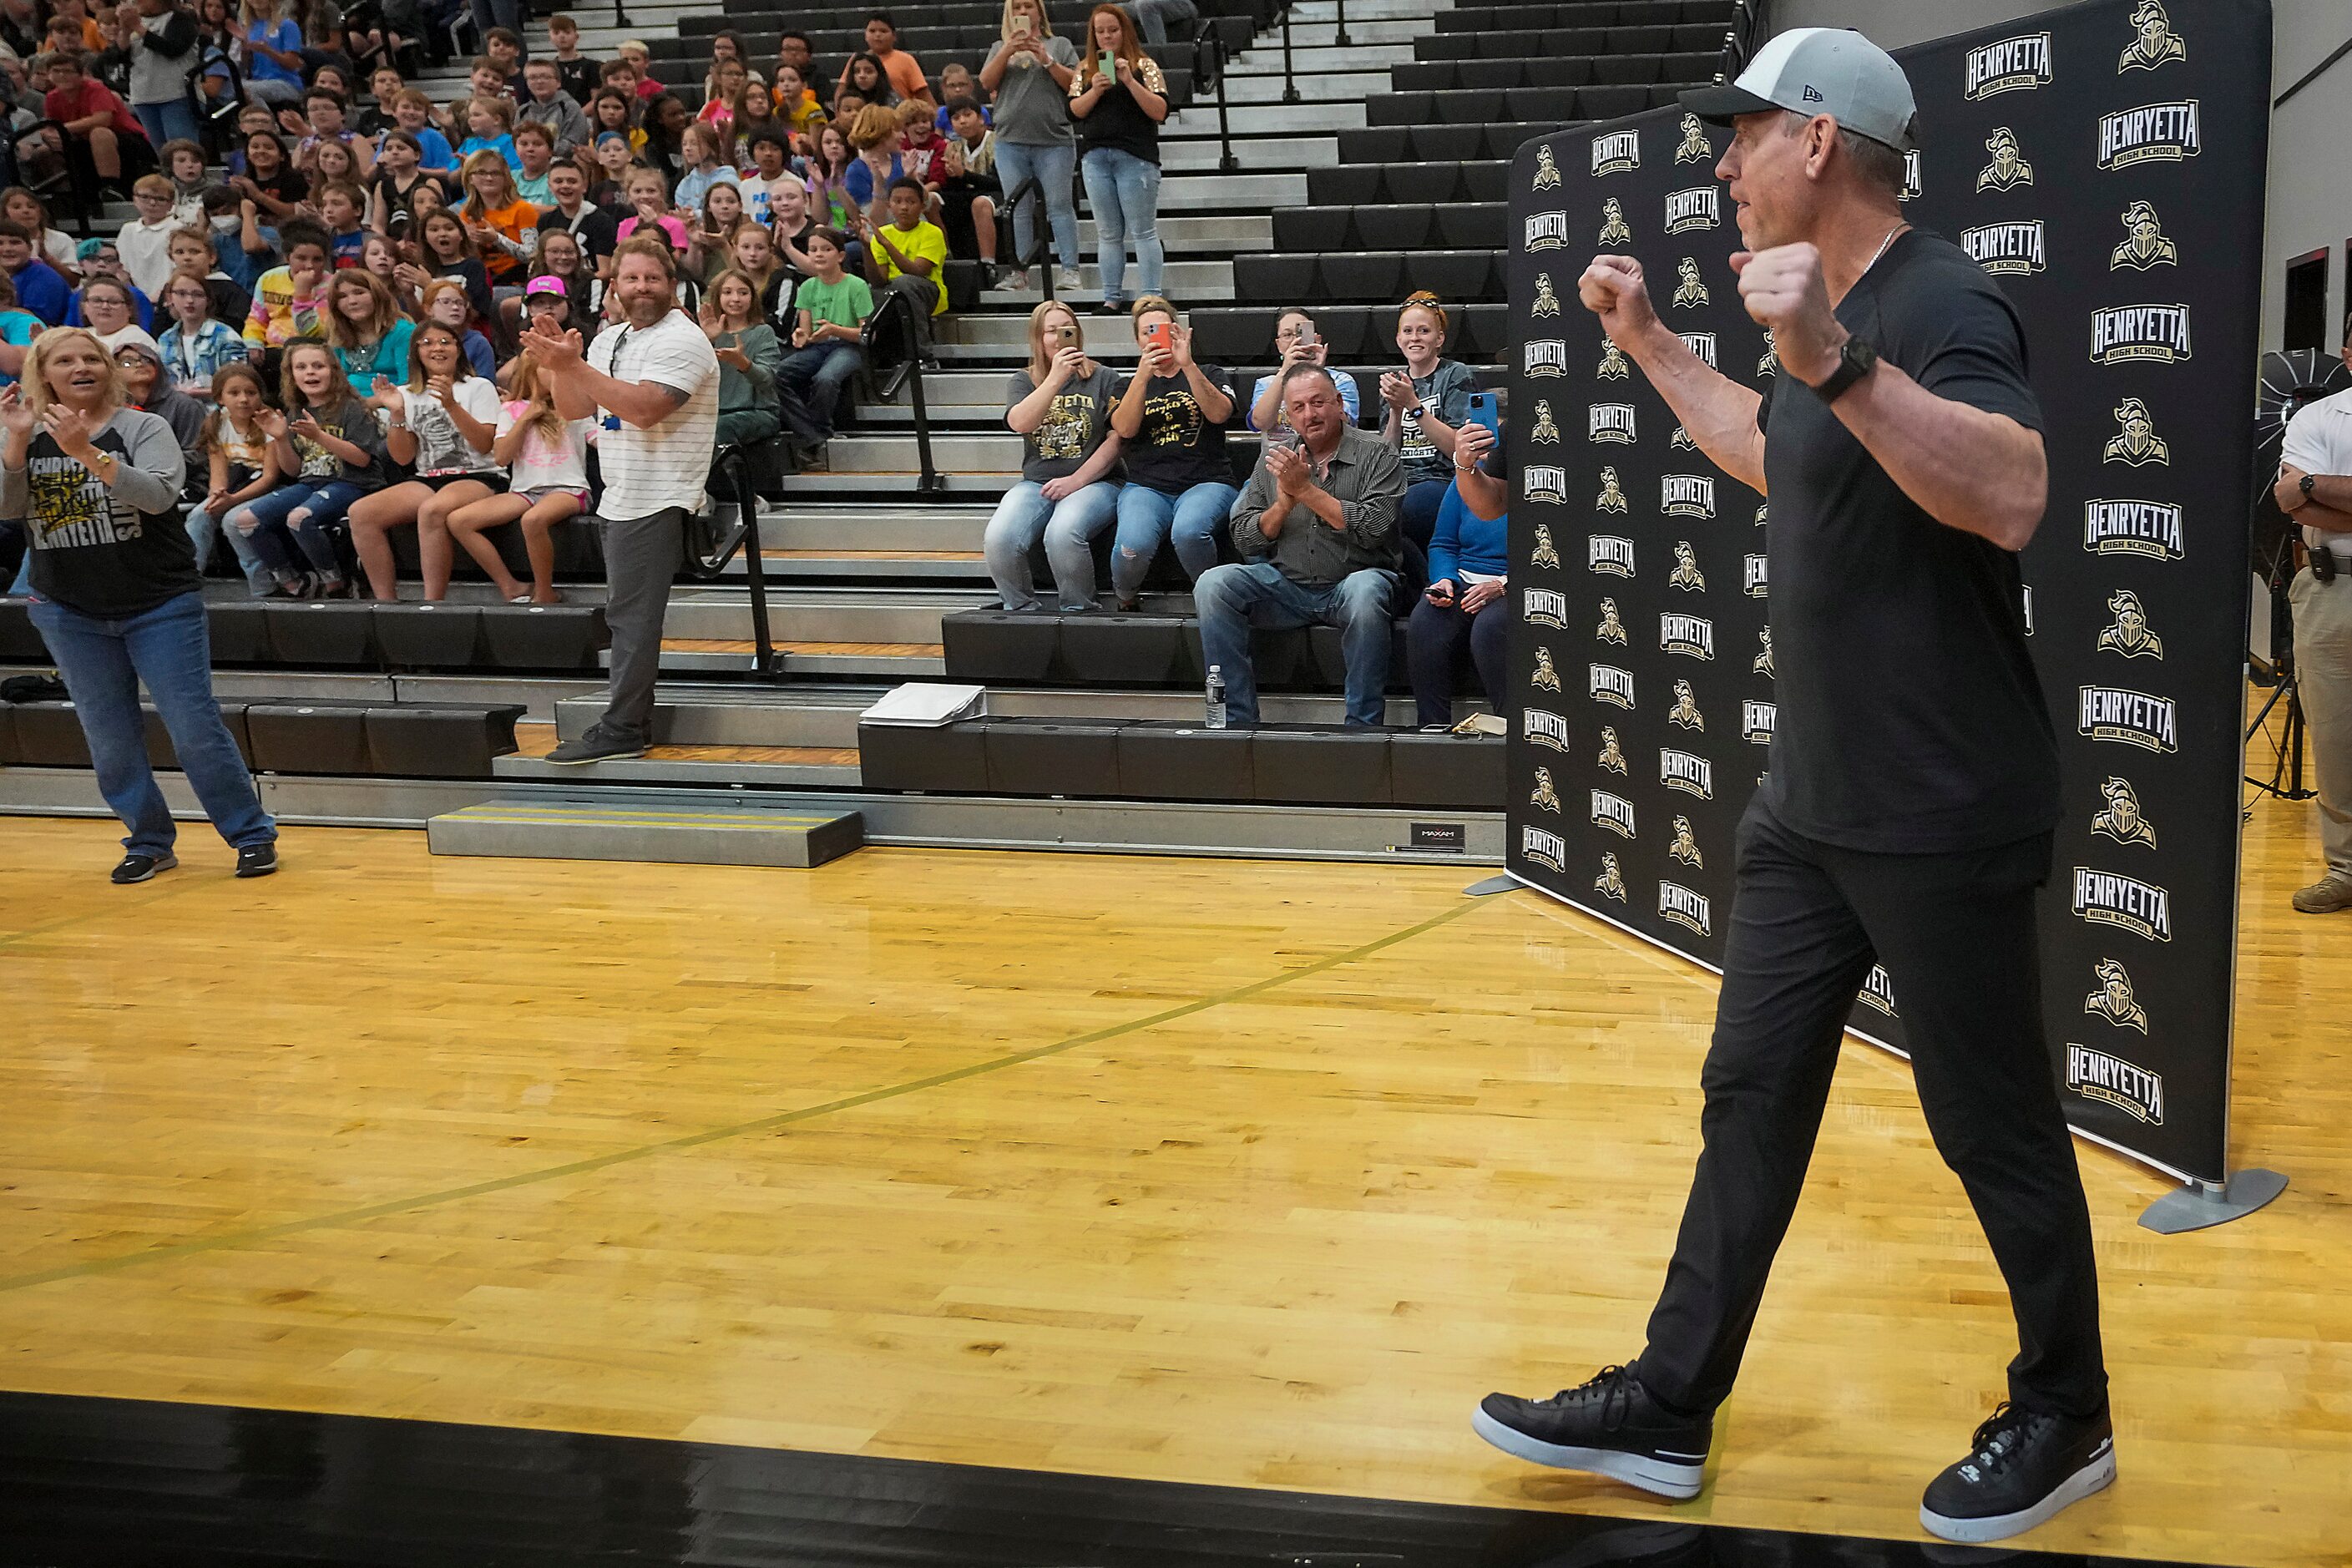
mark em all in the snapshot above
pixel 2327 896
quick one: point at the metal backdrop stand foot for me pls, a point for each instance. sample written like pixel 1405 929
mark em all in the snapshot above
pixel 1491 885
pixel 2202 1203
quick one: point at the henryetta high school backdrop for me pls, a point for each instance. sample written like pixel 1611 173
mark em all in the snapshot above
pixel 2104 163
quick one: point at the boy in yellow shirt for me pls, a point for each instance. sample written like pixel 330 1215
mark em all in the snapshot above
pixel 907 256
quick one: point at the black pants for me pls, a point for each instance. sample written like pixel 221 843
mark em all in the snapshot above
pixel 1957 935
pixel 1434 639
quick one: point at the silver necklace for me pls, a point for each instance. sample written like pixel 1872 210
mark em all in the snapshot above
pixel 1883 243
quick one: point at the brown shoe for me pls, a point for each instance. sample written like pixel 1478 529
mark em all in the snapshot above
pixel 2327 896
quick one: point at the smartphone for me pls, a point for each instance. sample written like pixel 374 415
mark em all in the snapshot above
pixel 1483 412
pixel 1305 335
pixel 1160 334
pixel 1021 25
pixel 1111 65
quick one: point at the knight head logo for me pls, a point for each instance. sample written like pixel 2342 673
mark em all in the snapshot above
pixel 1685 849
pixel 1770 365
pixel 2154 43
pixel 1694 148
pixel 1610 757
pixel 1610 883
pixel 2113 1000
pixel 1547 302
pixel 1614 229
pixel 1545 797
pixel 1687 573
pixel 1611 498
pixel 1547 170
pixel 1762 664
pixel 1611 629
pixel 2143 245
pixel 2129 636
pixel 2134 441
pixel 2122 819
pixel 2008 170
pixel 1546 677
pixel 1684 714
pixel 1612 362
pixel 1545 556
pixel 1692 290
pixel 1545 432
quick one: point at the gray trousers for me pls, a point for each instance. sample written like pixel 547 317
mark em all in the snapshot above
pixel 2322 673
pixel 642 554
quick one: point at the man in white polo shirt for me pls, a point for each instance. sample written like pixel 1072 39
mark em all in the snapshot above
pixel 2315 488
pixel 653 383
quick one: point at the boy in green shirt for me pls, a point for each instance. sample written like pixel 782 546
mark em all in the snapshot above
pixel 831 310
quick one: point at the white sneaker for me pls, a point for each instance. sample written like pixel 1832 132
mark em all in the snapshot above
pixel 1071 278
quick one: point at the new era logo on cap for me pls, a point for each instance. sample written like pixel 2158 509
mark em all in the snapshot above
pixel 1819 70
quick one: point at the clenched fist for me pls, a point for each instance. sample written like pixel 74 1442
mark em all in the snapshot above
pixel 1612 290
pixel 1782 288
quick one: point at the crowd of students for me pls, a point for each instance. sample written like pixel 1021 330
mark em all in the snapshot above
pixel 1418 513
pixel 413 243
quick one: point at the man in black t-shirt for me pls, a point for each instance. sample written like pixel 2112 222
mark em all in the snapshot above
pixel 1907 815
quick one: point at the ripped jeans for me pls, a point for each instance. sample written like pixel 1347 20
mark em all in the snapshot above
pixel 274 533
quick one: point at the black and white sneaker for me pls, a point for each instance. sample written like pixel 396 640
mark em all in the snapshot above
pixel 1610 1426
pixel 256 859
pixel 2023 1468
pixel 139 866
pixel 600 744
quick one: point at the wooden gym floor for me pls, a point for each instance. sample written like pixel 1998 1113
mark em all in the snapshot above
pixel 1246 1173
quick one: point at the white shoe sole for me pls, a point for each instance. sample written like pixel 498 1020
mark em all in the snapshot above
pixel 591 761
pixel 168 863
pixel 1664 1477
pixel 2095 1477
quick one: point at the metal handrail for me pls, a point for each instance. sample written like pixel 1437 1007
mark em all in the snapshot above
pixel 1031 190
pixel 1209 47
pixel 734 463
pixel 1289 83
pixel 1340 39
pixel 907 373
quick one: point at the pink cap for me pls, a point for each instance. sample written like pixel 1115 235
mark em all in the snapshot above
pixel 547 283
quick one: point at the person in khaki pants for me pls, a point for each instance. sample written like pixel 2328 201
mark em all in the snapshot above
pixel 2315 488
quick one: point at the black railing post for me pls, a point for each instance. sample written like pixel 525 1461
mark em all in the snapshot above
pixel 1289 83
pixel 1210 46
pixel 1340 37
pixel 621 16
pixel 927 482
pixel 763 645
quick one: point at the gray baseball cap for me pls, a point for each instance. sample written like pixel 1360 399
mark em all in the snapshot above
pixel 1819 70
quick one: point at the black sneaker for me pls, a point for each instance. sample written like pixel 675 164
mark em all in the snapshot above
pixel 256 859
pixel 2024 1466
pixel 138 867
pixel 598 745
pixel 1610 1426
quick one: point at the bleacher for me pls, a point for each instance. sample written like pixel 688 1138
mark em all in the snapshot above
pixel 1368 187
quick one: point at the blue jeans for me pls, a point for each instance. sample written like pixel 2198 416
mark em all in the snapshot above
pixel 1067 526
pixel 1052 163
pixel 817 375
pixel 1191 521
pixel 1234 599
pixel 174 120
pixel 1417 516
pixel 1123 191
pixel 271 526
pixel 168 648
pixel 204 533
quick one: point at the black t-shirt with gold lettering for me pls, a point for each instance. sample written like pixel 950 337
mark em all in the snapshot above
pixel 1177 447
pixel 1072 428
pixel 1910 719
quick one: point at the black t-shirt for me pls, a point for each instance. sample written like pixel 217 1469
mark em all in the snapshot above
pixel 1177 448
pixel 1910 719
pixel 93 551
pixel 595 228
pixel 577 77
pixel 399 203
pixel 288 184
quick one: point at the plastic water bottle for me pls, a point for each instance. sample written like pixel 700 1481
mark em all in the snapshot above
pixel 1216 714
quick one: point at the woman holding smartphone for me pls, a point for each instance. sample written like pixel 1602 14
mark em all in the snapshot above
pixel 1171 422
pixel 1467 604
pixel 1119 97
pixel 1030 71
pixel 1295 340
pixel 1060 406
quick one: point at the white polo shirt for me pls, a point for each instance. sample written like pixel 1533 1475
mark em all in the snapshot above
pixel 2319 441
pixel 666 466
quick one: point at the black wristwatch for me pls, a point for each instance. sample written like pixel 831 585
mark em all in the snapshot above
pixel 2304 484
pixel 1854 362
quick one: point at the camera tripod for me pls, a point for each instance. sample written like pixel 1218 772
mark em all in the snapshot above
pixel 2286 772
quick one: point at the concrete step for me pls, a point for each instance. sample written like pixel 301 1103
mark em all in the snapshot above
pixel 1231 192
pixel 1311 37
pixel 957 452
pixel 1184 280
pixel 537 829
pixel 1272 118
pixel 874 528
pixel 815 567
pixel 1314 87
pixel 1286 152
pixel 874 617
pixel 758 716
